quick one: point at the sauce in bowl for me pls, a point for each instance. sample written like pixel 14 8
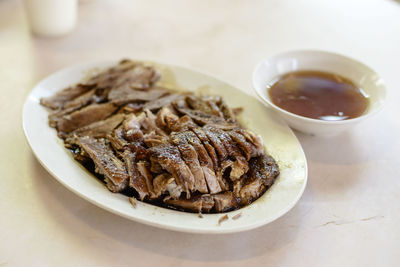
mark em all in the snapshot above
pixel 318 95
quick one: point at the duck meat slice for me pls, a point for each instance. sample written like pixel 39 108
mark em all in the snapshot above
pixel 239 165
pixel 194 204
pixel 140 77
pixel 261 175
pixel 136 180
pixel 164 183
pixel 106 162
pixel 163 101
pixel 133 107
pixel 100 128
pixel 225 201
pixel 144 169
pixel 214 183
pixel 189 155
pixel 203 118
pixel 217 144
pixel 82 100
pixel 206 142
pixel 85 116
pixel 183 124
pixel 73 105
pixel 169 158
pixel 108 77
pixel 252 138
pixel 131 123
pixel 138 95
pixel 248 149
pixel 202 153
pixel 197 203
pixel 204 104
pixel 148 122
pixel 117 140
pixel 166 118
pixel 229 114
pixel 58 100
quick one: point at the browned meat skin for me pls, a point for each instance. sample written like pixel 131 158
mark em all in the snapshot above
pixel 183 124
pixel 108 77
pixel 71 106
pixel 201 117
pixel 206 165
pixel 207 203
pixel 225 201
pixel 117 140
pixel 262 174
pixel 152 139
pixel 127 74
pixel 189 155
pixel 187 204
pixel 253 139
pixel 217 144
pixel 221 202
pixel 210 149
pixel 131 123
pixel 57 115
pixel 163 101
pixel 239 166
pixel 148 123
pixel 170 159
pixel 197 203
pixel 134 136
pixel 139 77
pixel 144 169
pixel 202 154
pixel 155 167
pixel 82 100
pixel 163 183
pixel 137 95
pixel 213 182
pixel 228 113
pixel 136 180
pixel 204 104
pixel 100 128
pixel 106 162
pixel 58 100
pixel 85 116
pixel 166 118
pixel 133 107
pixel 247 148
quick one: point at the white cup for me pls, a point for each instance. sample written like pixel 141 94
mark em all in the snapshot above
pixel 51 17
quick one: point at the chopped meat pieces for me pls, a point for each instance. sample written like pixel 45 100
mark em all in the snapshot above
pixel 168 148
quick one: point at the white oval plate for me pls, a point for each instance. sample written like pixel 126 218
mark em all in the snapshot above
pixel 279 141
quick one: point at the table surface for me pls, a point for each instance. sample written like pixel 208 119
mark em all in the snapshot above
pixel 349 213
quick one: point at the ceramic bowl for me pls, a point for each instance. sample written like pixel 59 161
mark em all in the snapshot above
pixel 268 71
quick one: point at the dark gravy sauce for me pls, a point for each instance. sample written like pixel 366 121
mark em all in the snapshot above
pixel 318 95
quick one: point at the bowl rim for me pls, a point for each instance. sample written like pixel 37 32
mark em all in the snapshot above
pixel 339 122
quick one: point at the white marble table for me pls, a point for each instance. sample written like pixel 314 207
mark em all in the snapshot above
pixel 349 214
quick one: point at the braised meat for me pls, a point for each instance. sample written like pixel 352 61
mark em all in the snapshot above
pixel 177 150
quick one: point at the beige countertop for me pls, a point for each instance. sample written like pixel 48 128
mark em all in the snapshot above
pixel 349 214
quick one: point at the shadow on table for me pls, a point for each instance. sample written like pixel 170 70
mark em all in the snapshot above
pixel 98 231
